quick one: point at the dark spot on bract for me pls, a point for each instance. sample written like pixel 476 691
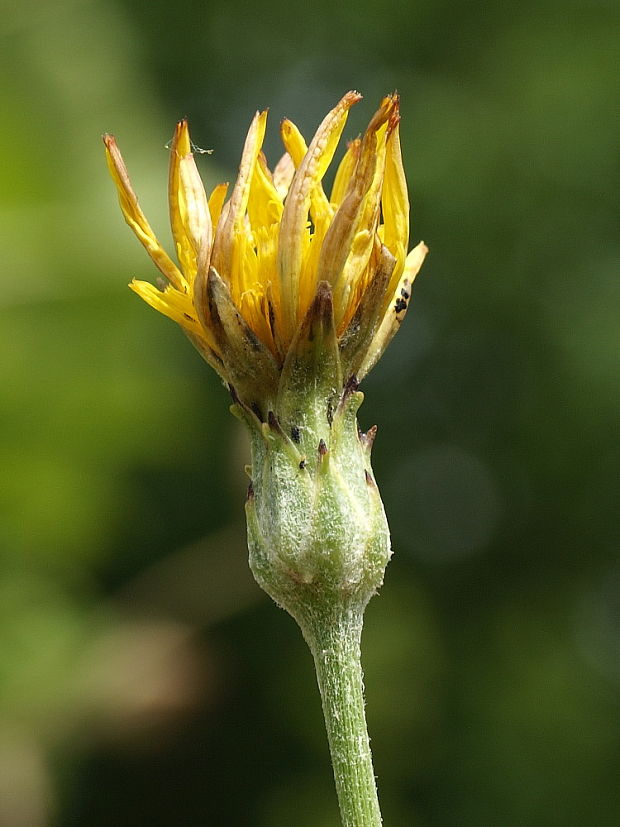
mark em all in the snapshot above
pixel 302 464
pixel 400 305
pixel 295 435
pixel 351 386
pixel 322 448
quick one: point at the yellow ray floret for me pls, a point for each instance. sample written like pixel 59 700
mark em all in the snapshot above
pixel 249 267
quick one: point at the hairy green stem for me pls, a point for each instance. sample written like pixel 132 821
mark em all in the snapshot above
pixel 335 645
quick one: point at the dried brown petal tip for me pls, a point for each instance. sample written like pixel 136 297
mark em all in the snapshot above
pixel 368 438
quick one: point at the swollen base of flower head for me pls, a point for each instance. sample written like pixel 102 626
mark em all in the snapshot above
pixel 317 531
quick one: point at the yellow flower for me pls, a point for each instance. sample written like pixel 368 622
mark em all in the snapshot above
pixel 252 268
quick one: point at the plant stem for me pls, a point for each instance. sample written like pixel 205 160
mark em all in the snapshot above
pixel 335 644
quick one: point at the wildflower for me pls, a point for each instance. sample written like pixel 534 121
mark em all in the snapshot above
pixel 293 296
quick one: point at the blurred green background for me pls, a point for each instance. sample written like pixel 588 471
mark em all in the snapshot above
pixel 144 678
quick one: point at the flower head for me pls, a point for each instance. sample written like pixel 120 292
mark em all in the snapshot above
pixel 255 272
pixel 292 295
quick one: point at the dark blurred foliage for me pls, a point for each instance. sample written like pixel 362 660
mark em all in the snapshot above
pixel 144 679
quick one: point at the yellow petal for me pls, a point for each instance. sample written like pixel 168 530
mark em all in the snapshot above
pixel 216 202
pixel 352 234
pixel 172 303
pixel 293 230
pixel 396 310
pixel 296 147
pixel 253 306
pixel 265 204
pixel 293 141
pixel 189 213
pixel 345 170
pixel 231 233
pixel 283 175
pixel 312 255
pixel 395 204
pixel 179 147
pixel 195 214
pixel 135 218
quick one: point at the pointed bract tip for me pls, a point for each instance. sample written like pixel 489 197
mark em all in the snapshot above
pixel 323 299
pixel 321 310
pixel 368 438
